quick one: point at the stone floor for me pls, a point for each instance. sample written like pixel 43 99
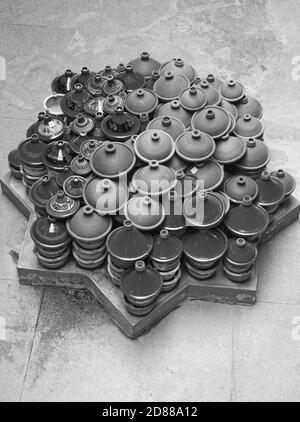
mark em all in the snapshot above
pixel 56 347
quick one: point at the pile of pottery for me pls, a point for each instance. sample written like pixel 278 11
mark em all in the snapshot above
pixel 153 171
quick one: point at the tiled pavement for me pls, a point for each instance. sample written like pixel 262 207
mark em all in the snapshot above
pixel 60 348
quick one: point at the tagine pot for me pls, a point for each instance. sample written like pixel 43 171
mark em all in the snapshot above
pixel 145 65
pixel 83 124
pixel 170 125
pixel 204 211
pixel 169 86
pixel 112 160
pixel 174 220
pixel 73 186
pixel 113 86
pixel 150 82
pixel 255 159
pixel 49 233
pixel 174 109
pixel 229 149
pixel 31 152
pixel 57 155
pixel 249 127
pixel 271 192
pixel 154 179
pixel 154 145
pixel 81 166
pixel 145 213
pixel 249 105
pixel 247 220
pixel 112 102
pixel 167 250
pixel 286 179
pixel 210 174
pixel 126 245
pixel 193 99
pixel 144 120
pixel 88 147
pixel 179 67
pixel 177 163
pixel 62 176
pixel 212 94
pixel 82 78
pixel 195 146
pixel 106 196
pixel 41 191
pixel 120 126
pixel 108 71
pixel 73 102
pixel 236 187
pixel 52 106
pixel 132 80
pixel 141 101
pixel 61 206
pixel 213 120
pixel 187 185
pixel 88 228
pixel 213 80
pixel 240 255
pixel 62 84
pixel 232 91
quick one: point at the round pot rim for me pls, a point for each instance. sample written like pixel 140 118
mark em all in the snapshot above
pixel 220 108
pixel 251 234
pixel 214 259
pixel 143 228
pixel 89 239
pixel 150 110
pixel 167 99
pixel 47 109
pixel 233 200
pixel 235 100
pixel 210 225
pixel 148 160
pixel 190 159
pixel 192 109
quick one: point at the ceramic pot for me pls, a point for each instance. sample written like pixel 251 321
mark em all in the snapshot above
pixel 187 185
pixel 249 127
pixel 201 273
pixel 112 160
pixel 166 251
pixel 236 187
pixel 169 86
pixel 76 141
pixel 205 247
pixel 130 142
pixel 82 125
pixel 179 67
pixel 120 126
pixel 170 125
pixel 232 91
pixel 49 233
pixel 195 146
pixel 106 196
pixel 150 82
pixel 271 192
pixel 204 211
pixel 154 179
pixel 61 206
pixel 255 159
pixel 145 213
pixel 41 191
pixel 112 102
pixel 240 255
pixel 141 101
pixel 108 71
pixel 177 163
pixel 145 65
pixel 144 120
pixel 94 105
pixel 113 86
pixel 14 161
pixel 193 99
pixel 240 277
pixel 82 78
pixel 31 129
pixel 126 245
pixel 56 156
pixel 31 152
pixel 286 179
pixel 212 94
pixel 229 149
pixel 73 102
pixel 97 132
pixel 215 82
pixel 62 176
pixel 210 174
pixel 73 186
pixel 81 166
pixel 89 264
pixel 52 106
pixel 62 84
pixel 247 220
pixel 89 255
pixel 213 120
pixel 174 109
pixel 88 147
pixel 89 229
pixel 154 145
pixel 249 105
pixel 132 80
pixel 225 199
pixel 230 108
pixel 174 220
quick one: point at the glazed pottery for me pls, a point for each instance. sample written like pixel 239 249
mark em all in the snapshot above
pixel 145 65
pixel 255 159
pixel 236 187
pixel 88 147
pixel 240 255
pixel 81 166
pixel 238 277
pixel 145 213
pixel 271 192
pixel 166 251
pixel 73 102
pixel 111 103
pixel 193 99
pixel 249 105
pixel 170 125
pixel 177 163
pixel 174 221
pixel 31 152
pixel 41 191
pixel 82 78
pixel 62 176
pixel 186 185
pixel 61 206
pixel 204 211
pixel 154 179
pixel 73 186
pixel 200 273
pixel 49 233
pixel 150 82
pixel 82 125
pixel 195 146
pixel 57 155
pixel 132 80
pixel 62 84
pixel 14 161
pixel 229 149
pixel 232 91
pixel 210 174
pixel 179 67
pixel 108 71
pixel 169 86
pixel 95 104
pixel 154 145
pixel 215 82
pixel 141 101
pixel 112 86
pixel 120 126
pixel 286 179
pixel 112 160
pixel 174 109
pixel 249 127
pixel 213 120
pixel 52 105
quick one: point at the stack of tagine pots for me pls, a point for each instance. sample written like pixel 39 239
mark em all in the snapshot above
pixel 152 171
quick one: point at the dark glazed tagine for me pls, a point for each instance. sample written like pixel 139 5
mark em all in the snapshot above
pixel 169 86
pixel 179 67
pixel 113 86
pixel 195 146
pixel 120 126
pixel 271 192
pixel 57 155
pixel 229 149
pixel 144 212
pixel 215 121
pixel 240 255
pixel 166 249
pixel 132 80
pixel 73 186
pixel 74 101
pixel 145 65
pixel 81 166
pixel 49 233
pixel 62 83
pixel 82 124
pixel 236 187
pixel 61 206
pixel 256 157
pixel 82 77
pixel 31 151
pixel 112 102
pixel 286 179
pixel 154 145
pixel 174 109
pixel 41 191
pixel 204 211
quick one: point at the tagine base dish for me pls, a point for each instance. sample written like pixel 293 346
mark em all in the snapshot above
pixel 217 289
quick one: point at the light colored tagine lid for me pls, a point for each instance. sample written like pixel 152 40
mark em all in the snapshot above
pixel 88 225
pixel 270 190
pixel 229 149
pixel 195 146
pixel 248 127
pixel 212 94
pixel 210 173
pixel 154 179
pixel 166 247
pixel 141 101
pixel 178 66
pixel 286 179
pixel 169 86
pixel 247 220
pixel 249 105
pixel 236 187
pixel 154 145
pixel 213 80
pixel 193 99
pixel 230 107
pixel 171 125
pixel 112 160
pixel 232 91
pixel 256 157
pixel 129 243
pixel 204 211
pixel 205 245
pixel 106 196
pixel 144 212
pixel 145 65
pixel 50 128
pixel 215 121
pixel 174 109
